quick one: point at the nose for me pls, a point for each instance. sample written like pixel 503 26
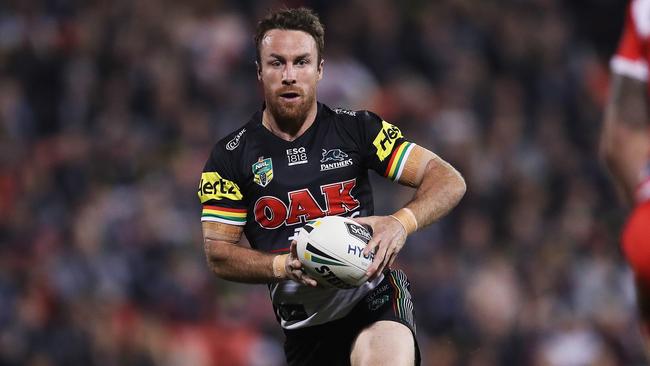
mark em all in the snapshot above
pixel 288 75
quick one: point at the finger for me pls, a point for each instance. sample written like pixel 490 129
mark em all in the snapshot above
pixel 379 271
pixel 388 250
pixel 394 253
pixel 293 256
pixel 309 281
pixel 392 259
pixel 294 249
pixel 367 222
pixel 372 244
pixel 295 264
pixel 371 273
pixel 302 277
pixel 376 263
pixel 296 275
pixel 363 220
pixel 388 262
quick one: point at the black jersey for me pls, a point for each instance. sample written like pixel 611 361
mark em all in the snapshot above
pixel 272 187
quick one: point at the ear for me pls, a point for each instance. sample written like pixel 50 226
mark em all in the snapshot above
pixel 320 68
pixel 258 69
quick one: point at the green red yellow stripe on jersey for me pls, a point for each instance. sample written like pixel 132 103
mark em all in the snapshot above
pixel 398 160
pixel 401 299
pixel 226 215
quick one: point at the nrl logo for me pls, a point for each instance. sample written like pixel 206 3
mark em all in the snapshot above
pixel 263 171
pixel 232 144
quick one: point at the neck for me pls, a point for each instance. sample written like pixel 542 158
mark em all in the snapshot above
pixel 289 130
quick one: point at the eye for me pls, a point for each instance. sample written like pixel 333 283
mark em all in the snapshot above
pixel 302 62
pixel 275 63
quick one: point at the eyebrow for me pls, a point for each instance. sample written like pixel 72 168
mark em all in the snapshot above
pixel 301 56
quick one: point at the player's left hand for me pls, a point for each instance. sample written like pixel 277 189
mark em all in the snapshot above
pixel 294 268
pixel 388 237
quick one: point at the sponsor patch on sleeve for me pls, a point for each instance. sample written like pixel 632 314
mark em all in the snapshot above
pixel 385 140
pixel 213 187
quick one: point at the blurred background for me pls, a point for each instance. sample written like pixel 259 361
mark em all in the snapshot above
pixel 108 110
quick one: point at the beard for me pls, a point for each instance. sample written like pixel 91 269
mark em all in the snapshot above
pixel 289 115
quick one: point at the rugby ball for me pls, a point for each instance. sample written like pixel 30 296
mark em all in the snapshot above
pixel 331 251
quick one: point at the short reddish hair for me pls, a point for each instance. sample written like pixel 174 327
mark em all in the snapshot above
pixel 302 19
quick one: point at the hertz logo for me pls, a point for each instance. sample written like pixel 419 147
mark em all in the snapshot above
pixel 385 140
pixel 213 187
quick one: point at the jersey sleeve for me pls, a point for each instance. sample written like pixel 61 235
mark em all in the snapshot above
pixel 218 191
pixel 385 148
pixel 631 58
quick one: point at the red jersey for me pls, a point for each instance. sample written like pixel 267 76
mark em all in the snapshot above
pixel 633 54
pixel 632 60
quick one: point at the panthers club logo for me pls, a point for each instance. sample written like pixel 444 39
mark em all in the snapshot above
pixel 334 159
pixel 263 171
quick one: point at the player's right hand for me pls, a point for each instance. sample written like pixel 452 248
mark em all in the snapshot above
pixel 294 269
pixel 388 238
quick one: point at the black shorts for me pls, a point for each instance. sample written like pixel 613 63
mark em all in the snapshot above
pixel 331 343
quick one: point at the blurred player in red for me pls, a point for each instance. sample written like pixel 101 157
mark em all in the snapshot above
pixel 625 143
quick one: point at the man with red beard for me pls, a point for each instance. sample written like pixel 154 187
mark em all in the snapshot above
pixel 625 144
pixel 297 160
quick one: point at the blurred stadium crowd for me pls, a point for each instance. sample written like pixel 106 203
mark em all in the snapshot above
pixel 108 111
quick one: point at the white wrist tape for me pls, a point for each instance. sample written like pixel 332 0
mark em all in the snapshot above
pixel 407 219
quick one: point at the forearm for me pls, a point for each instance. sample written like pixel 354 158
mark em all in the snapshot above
pixel 236 263
pixel 625 164
pixel 233 262
pixel 624 141
pixel 624 150
pixel 441 189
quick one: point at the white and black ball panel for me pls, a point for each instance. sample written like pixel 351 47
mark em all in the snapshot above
pixel 330 249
